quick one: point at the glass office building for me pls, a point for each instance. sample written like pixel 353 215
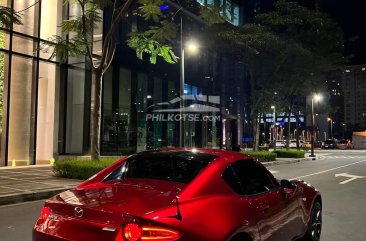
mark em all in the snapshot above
pixel 29 81
pixel 46 105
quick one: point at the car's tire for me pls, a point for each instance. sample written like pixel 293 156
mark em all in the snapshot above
pixel 241 237
pixel 315 223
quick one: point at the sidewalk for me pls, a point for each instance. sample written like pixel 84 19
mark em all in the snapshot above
pixel 20 184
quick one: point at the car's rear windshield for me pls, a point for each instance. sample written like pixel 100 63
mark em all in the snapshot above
pixel 174 166
pixel 328 142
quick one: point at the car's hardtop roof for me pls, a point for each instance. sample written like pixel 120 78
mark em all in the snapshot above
pixel 199 153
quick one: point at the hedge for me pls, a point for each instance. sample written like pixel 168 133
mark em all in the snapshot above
pixel 290 153
pixel 81 169
pixel 263 148
pixel 263 156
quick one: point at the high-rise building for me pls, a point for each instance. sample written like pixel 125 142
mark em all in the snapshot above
pixel 354 88
pixel 335 117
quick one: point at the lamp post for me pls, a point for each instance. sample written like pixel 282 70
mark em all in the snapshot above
pixel 192 47
pixel 331 127
pixel 274 127
pixel 317 97
pixel 181 92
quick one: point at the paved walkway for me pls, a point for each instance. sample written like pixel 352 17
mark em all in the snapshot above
pixel 20 184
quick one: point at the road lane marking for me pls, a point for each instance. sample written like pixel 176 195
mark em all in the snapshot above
pixel 351 177
pixel 273 171
pixel 343 157
pixel 335 168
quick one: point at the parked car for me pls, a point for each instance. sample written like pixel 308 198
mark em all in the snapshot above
pixel 280 144
pixel 344 144
pixel 292 143
pixel 183 195
pixel 306 145
pixel 329 144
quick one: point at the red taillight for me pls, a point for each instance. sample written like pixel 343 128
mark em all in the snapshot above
pixel 154 233
pixel 133 232
pixel 44 215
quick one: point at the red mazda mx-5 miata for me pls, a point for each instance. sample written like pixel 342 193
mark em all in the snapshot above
pixel 185 195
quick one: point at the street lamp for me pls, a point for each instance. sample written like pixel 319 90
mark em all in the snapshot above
pixel 331 127
pixel 191 46
pixel 274 127
pixel 316 97
pixel 344 127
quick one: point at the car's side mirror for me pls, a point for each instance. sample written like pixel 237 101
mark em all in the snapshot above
pixel 287 187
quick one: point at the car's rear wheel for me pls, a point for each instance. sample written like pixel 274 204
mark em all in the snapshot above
pixel 241 237
pixel 315 223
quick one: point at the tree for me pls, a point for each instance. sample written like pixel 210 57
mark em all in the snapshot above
pixel 317 34
pixel 8 17
pixel 155 40
pixel 288 53
pixel 263 53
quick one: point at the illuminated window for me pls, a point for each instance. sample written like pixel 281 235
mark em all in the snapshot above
pixel 231 9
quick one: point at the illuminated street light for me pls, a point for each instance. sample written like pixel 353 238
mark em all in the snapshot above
pixel 316 97
pixel 344 129
pixel 331 127
pixel 192 47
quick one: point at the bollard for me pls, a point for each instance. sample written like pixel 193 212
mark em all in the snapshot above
pixel 52 161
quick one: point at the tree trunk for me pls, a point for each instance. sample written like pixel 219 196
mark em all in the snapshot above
pixel 96 117
pixel 255 121
pixel 297 131
pixel 257 134
pixel 288 127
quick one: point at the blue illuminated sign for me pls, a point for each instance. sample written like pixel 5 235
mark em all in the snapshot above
pixel 164 7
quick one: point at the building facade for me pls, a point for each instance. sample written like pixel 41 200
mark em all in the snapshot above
pixel 46 105
pixel 354 88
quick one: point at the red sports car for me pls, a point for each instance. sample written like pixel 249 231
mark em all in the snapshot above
pixel 185 195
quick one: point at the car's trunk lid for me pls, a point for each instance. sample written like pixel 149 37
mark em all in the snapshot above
pixel 111 202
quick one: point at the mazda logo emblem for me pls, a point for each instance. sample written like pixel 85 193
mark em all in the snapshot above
pixel 79 212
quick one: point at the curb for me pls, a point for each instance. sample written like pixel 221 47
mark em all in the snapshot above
pixel 22 167
pixel 30 196
pixel 276 163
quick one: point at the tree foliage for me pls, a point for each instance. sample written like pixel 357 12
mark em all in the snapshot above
pixel 288 51
pixel 9 16
pixel 153 38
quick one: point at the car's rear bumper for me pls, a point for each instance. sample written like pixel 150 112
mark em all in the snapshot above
pixel 40 236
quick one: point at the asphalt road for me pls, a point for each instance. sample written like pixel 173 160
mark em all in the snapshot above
pixel 344 200
pixel 344 212
pixel 17 220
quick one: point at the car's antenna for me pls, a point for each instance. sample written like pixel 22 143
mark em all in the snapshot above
pixel 178 215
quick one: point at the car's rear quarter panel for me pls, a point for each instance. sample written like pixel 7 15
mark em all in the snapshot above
pixel 310 194
pixel 223 218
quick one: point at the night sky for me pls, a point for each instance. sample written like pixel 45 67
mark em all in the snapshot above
pixel 351 16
